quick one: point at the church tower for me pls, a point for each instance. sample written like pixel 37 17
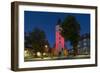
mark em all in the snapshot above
pixel 59 39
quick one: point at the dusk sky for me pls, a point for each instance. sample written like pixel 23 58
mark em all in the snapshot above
pixel 48 20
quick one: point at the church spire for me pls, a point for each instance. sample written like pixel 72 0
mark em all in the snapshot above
pixel 59 21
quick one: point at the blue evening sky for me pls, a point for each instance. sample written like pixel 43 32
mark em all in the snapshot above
pixel 48 20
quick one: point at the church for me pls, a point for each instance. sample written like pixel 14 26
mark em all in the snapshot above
pixel 60 48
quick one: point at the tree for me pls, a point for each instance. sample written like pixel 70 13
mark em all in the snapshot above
pixel 27 40
pixel 71 31
pixel 37 38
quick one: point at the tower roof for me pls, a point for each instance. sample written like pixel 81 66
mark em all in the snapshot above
pixel 58 22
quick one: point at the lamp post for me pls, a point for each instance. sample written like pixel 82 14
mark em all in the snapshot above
pixel 46 49
pixel 46 46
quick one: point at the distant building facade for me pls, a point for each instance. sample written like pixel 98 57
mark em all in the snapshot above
pixel 84 44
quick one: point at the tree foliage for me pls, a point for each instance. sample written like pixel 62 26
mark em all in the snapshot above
pixel 36 39
pixel 71 31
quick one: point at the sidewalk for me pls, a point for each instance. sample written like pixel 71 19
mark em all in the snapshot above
pixel 59 58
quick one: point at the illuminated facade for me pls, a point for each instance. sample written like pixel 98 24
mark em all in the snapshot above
pixel 59 39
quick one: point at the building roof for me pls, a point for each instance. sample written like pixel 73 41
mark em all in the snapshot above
pixel 84 36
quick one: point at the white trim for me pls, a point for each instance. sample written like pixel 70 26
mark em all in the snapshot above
pixel 23 64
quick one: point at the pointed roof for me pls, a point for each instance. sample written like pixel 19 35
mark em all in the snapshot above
pixel 58 22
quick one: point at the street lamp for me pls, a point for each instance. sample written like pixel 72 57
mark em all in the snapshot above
pixel 46 50
pixel 46 46
pixel 38 54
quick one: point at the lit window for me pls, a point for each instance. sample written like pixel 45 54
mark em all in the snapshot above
pixel 85 44
pixel 78 46
pixel 79 42
pixel 84 39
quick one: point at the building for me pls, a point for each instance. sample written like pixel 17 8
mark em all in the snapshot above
pixel 84 44
pixel 60 43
